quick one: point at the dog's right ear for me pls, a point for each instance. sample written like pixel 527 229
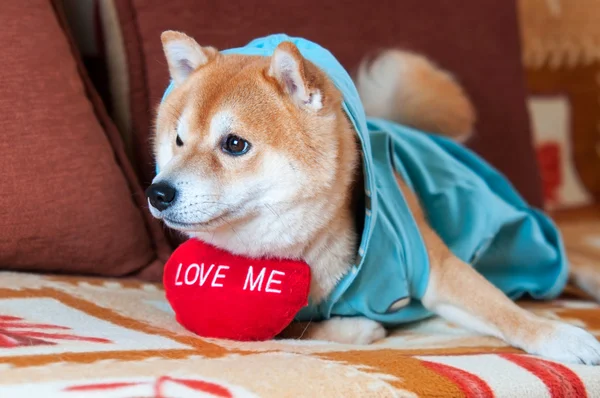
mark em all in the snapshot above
pixel 289 68
pixel 184 55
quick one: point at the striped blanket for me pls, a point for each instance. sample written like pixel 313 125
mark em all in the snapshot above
pixel 76 337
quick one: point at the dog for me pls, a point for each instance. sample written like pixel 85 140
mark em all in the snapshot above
pixel 257 153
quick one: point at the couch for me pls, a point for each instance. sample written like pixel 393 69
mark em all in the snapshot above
pixel 82 310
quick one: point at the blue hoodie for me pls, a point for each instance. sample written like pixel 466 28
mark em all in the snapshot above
pixel 472 207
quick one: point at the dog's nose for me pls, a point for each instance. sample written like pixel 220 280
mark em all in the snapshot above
pixel 161 195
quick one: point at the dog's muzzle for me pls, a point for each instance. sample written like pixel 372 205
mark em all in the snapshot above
pixel 161 195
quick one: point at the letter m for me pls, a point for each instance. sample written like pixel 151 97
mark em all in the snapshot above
pixel 254 282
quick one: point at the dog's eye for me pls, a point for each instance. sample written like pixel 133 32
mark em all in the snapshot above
pixel 234 145
pixel 178 141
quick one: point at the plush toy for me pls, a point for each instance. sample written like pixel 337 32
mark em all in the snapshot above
pixel 220 295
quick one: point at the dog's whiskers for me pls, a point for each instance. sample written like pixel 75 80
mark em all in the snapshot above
pixel 304 331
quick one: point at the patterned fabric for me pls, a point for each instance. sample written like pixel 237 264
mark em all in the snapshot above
pixel 561 55
pixel 64 337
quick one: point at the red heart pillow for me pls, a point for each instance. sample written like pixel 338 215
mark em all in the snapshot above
pixel 217 294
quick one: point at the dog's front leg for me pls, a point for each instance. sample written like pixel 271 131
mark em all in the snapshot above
pixel 461 295
pixel 458 293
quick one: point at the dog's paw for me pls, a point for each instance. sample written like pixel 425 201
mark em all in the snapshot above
pixel 566 343
pixel 354 330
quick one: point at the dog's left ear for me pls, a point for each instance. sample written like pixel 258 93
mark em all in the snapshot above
pixel 292 73
pixel 184 55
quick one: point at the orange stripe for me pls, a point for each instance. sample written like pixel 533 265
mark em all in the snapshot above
pixel 409 374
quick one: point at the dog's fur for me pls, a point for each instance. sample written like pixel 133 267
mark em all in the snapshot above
pixel 290 195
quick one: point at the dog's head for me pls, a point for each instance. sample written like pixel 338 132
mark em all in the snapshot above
pixel 255 153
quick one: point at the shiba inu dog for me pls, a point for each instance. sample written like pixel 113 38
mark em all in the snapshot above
pixel 265 150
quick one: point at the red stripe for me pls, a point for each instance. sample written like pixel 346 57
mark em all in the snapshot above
pixel 21 325
pixel 471 385
pixel 7 341
pixel 9 318
pixel 561 381
pixel 101 386
pixel 61 336
pixel 196 385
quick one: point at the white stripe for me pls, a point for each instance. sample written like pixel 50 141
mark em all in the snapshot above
pixel 590 377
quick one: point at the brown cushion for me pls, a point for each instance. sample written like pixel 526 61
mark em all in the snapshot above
pixel 477 40
pixel 69 202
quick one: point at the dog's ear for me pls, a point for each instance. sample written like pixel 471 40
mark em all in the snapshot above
pixel 295 76
pixel 184 55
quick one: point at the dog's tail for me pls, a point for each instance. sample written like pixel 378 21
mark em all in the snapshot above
pixel 409 89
